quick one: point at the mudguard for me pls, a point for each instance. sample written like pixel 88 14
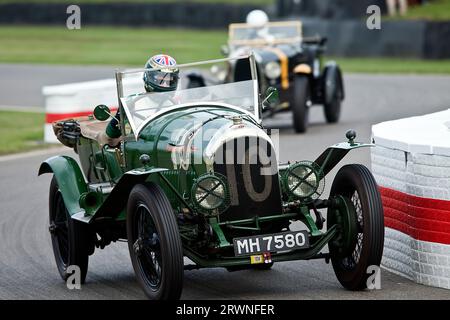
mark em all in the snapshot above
pixel 334 154
pixel 332 81
pixel 70 180
pixel 72 184
pixel 118 198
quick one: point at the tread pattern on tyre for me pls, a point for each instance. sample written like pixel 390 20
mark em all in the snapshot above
pixel 157 201
pixel 375 228
pixel 77 237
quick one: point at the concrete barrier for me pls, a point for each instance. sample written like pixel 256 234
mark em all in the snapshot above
pixel 79 99
pixel 411 164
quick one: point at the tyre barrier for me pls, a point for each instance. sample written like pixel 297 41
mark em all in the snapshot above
pixel 411 163
pixel 79 99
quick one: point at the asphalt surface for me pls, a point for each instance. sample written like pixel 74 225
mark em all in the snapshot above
pixel 27 267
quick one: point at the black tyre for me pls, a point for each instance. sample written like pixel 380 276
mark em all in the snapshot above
pixel 71 239
pixel 154 243
pixel 356 184
pixel 300 104
pixel 333 108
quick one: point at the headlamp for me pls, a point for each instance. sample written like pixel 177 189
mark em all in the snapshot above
pixel 272 70
pixel 304 180
pixel 210 192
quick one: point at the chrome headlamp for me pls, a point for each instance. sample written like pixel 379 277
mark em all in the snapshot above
pixel 210 193
pixel 304 180
pixel 272 70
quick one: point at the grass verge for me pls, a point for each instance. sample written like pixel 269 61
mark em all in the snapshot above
pixel 436 10
pixel 133 46
pixel 21 131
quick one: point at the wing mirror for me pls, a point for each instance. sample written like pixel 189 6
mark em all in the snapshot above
pixel 224 50
pixel 102 112
pixel 271 96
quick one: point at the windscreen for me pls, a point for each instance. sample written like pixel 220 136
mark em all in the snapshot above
pixel 141 106
pixel 271 33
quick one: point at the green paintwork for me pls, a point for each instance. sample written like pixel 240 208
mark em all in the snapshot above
pixel 344 215
pixel 303 254
pixel 102 112
pixel 223 242
pixel 112 172
pixel 70 180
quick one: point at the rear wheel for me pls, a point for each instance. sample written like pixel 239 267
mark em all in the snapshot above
pixel 70 238
pixel 154 243
pixel 301 103
pixel 363 222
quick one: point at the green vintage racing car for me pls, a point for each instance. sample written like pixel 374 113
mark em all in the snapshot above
pixel 195 175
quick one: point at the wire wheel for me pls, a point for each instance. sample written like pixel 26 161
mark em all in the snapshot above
pixel 147 247
pixel 59 228
pixel 71 239
pixel 350 262
pixel 365 227
pixel 154 243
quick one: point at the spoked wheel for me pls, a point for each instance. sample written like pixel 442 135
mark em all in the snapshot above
pixel 70 238
pixel 154 243
pixel 301 103
pixel 360 241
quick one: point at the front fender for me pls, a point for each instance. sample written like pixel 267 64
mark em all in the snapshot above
pixel 118 198
pixel 332 81
pixel 70 180
pixel 334 154
pixel 303 68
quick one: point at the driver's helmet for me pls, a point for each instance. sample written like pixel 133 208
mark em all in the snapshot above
pixel 165 78
pixel 257 18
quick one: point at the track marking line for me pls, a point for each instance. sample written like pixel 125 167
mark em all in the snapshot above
pixel 29 154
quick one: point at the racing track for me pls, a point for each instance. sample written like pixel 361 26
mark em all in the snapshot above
pixel 27 268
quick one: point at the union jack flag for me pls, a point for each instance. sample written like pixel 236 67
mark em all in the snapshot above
pixel 164 60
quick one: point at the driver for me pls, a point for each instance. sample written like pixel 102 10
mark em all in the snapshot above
pixel 163 78
pixel 258 20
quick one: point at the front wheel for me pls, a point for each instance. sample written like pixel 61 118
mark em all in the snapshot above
pixel 301 103
pixel 359 243
pixel 332 109
pixel 154 243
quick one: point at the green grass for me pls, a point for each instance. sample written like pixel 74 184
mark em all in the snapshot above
pixel 133 46
pixel 254 2
pixel 106 45
pixel 21 131
pixel 433 10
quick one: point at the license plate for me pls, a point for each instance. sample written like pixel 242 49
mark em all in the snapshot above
pixel 271 243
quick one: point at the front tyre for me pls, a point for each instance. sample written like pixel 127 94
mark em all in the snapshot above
pixel 154 243
pixel 300 103
pixel 71 239
pixel 356 185
pixel 332 109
